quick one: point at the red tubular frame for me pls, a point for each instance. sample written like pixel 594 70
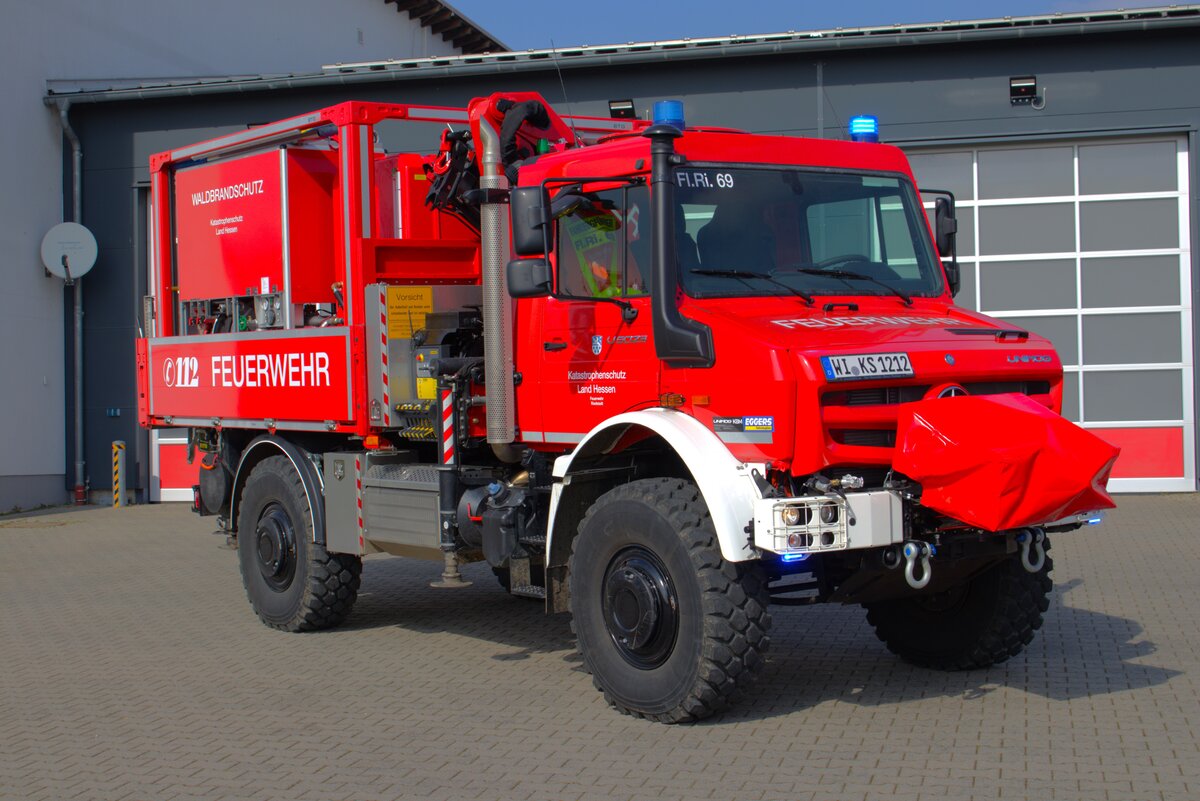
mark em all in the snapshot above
pixel 362 257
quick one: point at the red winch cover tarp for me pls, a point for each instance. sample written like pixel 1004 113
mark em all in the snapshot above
pixel 1001 461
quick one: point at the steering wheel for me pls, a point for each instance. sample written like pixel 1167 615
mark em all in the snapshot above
pixel 848 258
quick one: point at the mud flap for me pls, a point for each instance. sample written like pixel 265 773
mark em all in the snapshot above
pixel 1001 461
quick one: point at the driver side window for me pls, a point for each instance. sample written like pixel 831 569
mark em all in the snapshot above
pixel 874 227
pixel 604 250
pixel 845 226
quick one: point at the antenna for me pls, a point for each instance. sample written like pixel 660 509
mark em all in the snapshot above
pixel 837 118
pixel 823 97
pixel 566 100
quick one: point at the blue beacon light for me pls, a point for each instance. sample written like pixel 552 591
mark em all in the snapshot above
pixel 669 112
pixel 864 129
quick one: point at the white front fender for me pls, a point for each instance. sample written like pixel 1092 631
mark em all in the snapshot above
pixel 724 482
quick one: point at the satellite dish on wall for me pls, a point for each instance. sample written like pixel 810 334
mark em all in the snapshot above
pixel 69 251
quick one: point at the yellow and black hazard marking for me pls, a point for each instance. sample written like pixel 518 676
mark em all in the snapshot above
pixel 118 483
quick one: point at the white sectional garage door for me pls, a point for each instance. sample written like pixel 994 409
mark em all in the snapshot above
pixel 1087 243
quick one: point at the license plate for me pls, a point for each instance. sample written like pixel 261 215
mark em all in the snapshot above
pixel 861 366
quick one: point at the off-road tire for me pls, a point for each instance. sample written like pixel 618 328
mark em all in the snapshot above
pixel 991 618
pixel 312 589
pixel 721 620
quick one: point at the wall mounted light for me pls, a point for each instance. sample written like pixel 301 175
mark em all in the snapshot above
pixel 621 110
pixel 1023 91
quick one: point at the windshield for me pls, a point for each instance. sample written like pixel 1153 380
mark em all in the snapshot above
pixel 747 231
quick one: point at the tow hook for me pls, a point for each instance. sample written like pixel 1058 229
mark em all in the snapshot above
pixel 1033 554
pixel 914 550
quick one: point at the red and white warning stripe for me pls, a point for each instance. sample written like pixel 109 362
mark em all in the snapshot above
pixel 447 427
pixel 383 355
pixel 358 499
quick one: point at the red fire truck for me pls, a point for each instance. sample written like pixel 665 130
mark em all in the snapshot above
pixel 657 376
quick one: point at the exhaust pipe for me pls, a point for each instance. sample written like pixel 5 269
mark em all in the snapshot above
pixel 497 305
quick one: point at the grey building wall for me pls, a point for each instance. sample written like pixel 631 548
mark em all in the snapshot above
pixel 1094 83
pixel 91 44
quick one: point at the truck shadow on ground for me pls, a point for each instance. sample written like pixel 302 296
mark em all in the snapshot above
pixel 828 653
pixel 818 654
pixel 396 593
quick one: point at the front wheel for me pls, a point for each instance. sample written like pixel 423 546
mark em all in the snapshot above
pixel 292 582
pixel 669 630
pixel 976 625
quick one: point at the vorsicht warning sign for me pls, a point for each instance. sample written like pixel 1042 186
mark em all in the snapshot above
pixel 406 309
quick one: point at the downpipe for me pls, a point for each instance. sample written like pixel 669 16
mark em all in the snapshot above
pixel 497 305
pixel 64 108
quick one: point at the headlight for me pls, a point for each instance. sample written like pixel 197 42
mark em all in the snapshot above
pixel 798 541
pixel 791 515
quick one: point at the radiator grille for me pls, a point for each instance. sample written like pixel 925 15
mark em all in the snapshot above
pixel 888 396
pixel 866 417
pixel 875 438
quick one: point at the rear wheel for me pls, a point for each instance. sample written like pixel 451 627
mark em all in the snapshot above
pixel 669 630
pixel 976 625
pixel 293 583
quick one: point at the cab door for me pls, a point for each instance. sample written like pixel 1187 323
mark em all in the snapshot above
pixel 598 356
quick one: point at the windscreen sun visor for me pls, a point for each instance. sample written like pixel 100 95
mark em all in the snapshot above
pixel 1001 461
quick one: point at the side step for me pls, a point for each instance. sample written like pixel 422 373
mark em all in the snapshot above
pixel 519 581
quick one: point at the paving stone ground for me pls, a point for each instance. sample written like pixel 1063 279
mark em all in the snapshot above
pixel 131 667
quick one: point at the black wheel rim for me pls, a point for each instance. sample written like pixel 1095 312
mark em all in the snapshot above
pixel 275 547
pixel 641 609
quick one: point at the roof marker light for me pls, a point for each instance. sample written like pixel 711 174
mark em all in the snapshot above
pixel 669 112
pixel 864 129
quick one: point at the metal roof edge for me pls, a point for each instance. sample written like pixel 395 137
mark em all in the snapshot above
pixel 1084 23
pixel 997 23
pixel 484 31
pixel 439 16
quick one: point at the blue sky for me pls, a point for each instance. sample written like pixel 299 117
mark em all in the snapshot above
pixel 524 24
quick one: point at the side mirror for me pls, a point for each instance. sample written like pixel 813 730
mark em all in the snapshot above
pixel 528 210
pixel 945 227
pixel 532 232
pixel 945 232
pixel 529 278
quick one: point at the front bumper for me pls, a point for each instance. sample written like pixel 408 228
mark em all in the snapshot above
pixel 816 524
pixel 872 519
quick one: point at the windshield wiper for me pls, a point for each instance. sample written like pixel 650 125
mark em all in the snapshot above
pixel 746 274
pixel 850 274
